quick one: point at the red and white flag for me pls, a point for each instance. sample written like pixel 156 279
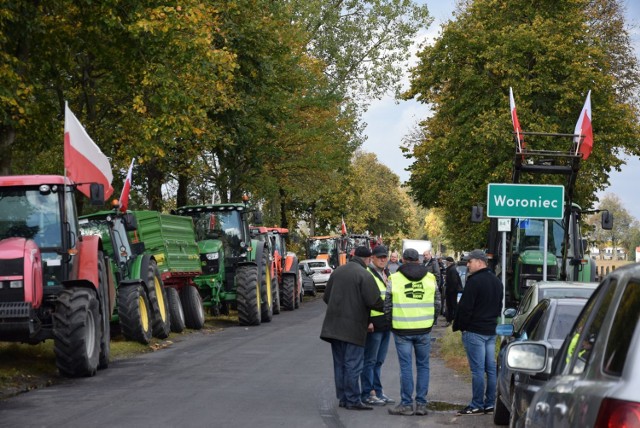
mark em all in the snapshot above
pixel 343 229
pixel 583 132
pixel 516 122
pixel 83 160
pixel 126 189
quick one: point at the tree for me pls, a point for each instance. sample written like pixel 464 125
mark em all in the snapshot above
pixel 620 235
pixel 551 54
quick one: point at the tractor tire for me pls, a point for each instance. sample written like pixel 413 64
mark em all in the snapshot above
pixel 192 306
pixel 288 292
pixel 77 329
pixel 134 313
pixel 175 309
pixel 266 294
pixel 276 296
pixel 248 295
pixel 161 325
pixel 105 314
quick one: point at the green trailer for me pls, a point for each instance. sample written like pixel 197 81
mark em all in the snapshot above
pixel 142 308
pixel 171 241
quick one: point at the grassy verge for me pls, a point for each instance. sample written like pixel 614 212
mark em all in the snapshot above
pixel 452 352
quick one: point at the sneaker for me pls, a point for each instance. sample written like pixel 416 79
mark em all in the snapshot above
pixel 372 400
pixel 471 411
pixel 421 409
pixel 401 409
pixel 387 400
pixel 488 410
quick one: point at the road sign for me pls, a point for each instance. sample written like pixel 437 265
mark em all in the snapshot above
pixel 525 201
pixel 504 225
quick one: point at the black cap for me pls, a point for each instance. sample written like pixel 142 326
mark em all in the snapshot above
pixel 449 259
pixel 411 255
pixel 478 255
pixel 380 251
pixel 362 251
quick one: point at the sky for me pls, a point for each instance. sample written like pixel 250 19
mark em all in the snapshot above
pixel 388 120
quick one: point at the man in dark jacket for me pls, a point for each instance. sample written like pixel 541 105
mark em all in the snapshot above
pixel 432 265
pixel 452 286
pixel 350 295
pixel 477 318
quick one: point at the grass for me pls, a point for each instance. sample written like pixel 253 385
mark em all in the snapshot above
pixel 452 352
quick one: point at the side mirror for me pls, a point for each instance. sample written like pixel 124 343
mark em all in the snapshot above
pixel 606 220
pixel 477 214
pixel 130 222
pixel 510 312
pixel 97 194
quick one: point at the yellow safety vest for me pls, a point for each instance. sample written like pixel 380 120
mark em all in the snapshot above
pixel 383 291
pixel 413 301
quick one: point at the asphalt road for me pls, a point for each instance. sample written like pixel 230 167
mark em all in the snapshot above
pixel 275 375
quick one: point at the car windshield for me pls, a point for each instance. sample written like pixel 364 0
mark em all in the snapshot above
pixel 317 264
pixel 31 214
pixel 565 317
pixel 565 292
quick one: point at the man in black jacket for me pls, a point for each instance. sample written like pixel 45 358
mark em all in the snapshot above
pixel 452 286
pixel 350 295
pixel 477 318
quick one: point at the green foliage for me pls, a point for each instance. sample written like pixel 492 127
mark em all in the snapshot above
pixel 551 54
pixel 621 235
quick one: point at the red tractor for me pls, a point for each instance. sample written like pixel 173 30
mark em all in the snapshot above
pixel 286 263
pixel 54 282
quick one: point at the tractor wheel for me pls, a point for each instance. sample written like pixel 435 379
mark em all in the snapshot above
pixel 175 310
pixel 192 306
pixel 77 329
pixel 105 314
pixel 134 313
pixel 276 296
pixel 266 295
pixel 248 295
pixel 161 325
pixel 288 292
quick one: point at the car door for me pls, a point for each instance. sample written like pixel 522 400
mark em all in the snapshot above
pixel 558 404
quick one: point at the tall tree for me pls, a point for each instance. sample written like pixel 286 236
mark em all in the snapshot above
pixel 620 235
pixel 551 53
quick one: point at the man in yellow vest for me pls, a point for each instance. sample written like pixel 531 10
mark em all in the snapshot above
pixel 378 335
pixel 413 303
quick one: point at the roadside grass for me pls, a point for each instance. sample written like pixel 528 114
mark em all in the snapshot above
pixel 453 354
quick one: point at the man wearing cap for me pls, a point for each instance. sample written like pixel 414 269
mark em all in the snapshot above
pixel 477 318
pixel 379 332
pixel 350 295
pixel 452 286
pixel 413 302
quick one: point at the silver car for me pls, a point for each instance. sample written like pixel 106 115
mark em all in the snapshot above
pixel 596 374
pixel 322 271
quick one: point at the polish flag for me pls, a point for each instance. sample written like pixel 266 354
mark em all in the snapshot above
pixel 126 189
pixel 516 122
pixel 583 129
pixel 84 163
pixel 343 229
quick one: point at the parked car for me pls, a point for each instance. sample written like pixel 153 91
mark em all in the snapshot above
pixel 308 286
pixel 595 378
pixel 549 321
pixel 322 271
pixel 547 289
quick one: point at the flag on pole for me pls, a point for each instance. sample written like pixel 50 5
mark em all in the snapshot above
pixel 583 132
pixel 126 189
pixel 84 163
pixel 516 122
pixel 343 229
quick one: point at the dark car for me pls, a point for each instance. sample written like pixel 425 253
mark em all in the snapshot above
pixel 550 321
pixel 595 377
pixel 308 285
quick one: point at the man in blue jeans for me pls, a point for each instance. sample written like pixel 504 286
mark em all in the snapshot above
pixel 413 303
pixel 477 318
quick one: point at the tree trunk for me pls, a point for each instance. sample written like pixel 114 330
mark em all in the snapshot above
pixel 283 209
pixel 7 138
pixel 181 197
pixel 155 179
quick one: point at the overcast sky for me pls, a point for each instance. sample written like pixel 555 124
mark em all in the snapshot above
pixel 389 121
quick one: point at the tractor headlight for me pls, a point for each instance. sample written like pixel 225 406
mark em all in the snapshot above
pixel 15 284
pixel 212 256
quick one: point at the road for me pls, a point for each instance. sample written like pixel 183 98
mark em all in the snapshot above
pixel 278 374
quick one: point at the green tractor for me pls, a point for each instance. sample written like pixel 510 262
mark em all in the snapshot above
pixel 236 269
pixel 142 305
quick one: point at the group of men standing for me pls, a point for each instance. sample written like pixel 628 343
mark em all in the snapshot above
pixel 366 302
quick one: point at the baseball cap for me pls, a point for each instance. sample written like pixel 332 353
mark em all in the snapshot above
pixel 411 255
pixel 362 251
pixel 478 255
pixel 449 259
pixel 380 251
